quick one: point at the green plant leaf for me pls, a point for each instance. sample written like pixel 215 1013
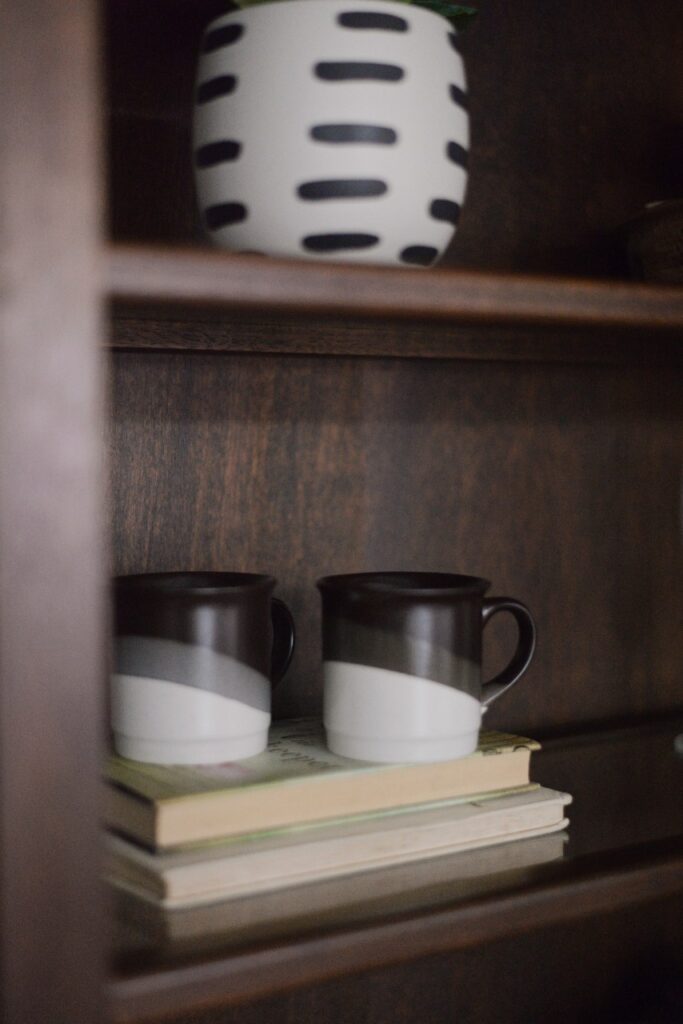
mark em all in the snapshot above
pixel 459 15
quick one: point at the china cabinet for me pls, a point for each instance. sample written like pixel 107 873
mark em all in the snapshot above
pixel 516 413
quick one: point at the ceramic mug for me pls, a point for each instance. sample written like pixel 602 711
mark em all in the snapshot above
pixel 196 655
pixel 402 655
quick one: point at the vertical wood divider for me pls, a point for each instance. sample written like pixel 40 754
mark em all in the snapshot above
pixel 51 524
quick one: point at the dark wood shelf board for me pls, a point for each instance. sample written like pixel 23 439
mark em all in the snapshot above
pixel 137 277
pixel 625 848
pixel 598 885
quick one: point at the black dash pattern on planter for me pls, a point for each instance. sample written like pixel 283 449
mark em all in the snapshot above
pixel 357 70
pixel 223 36
pixel 339 241
pixel 457 154
pixel 419 255
pixel 342 188
pixel 373 19
pixel 371 133
pixel 222 85
pixel 222 214
pixel 454 41
pixel 217 153
pixel 459 96
pixel 445 209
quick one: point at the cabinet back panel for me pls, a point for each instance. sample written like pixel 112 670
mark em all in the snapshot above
pixel 560 484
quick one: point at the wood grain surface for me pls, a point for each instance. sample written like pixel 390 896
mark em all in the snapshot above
pixel 52 561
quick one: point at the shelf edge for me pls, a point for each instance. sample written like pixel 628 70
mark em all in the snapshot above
pixel 600 884
pixel 217 280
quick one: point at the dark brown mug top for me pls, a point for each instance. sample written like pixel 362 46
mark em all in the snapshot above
pixel 231 613
pixel 422 624
pixel 194 584
pixel 437 585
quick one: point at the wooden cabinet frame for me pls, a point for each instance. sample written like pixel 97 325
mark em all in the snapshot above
pixel 614 345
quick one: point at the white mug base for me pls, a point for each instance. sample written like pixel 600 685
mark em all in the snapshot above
pixel 383 749
pixel 162 722
pixel 377 714
pixel 206 751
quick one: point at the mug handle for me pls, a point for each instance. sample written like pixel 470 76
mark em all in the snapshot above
pixel 283 639
pixel 526 645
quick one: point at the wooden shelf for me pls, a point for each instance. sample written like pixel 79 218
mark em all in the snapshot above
pixel 625 847
pixel 196 300
pixel 211 278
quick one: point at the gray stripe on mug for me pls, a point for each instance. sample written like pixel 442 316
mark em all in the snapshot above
pixel 192 665
pixel 364 645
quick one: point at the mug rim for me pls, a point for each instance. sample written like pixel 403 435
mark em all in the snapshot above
pixel 188 584
pixel 397 583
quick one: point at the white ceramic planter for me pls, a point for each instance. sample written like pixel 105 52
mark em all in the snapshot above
pixel 332 129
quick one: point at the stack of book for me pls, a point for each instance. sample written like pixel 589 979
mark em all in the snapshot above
pixel 187 836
